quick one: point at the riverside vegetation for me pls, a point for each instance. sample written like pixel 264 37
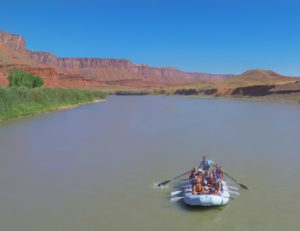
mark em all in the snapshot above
pixel 24 96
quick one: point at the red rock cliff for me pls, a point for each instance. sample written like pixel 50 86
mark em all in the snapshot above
pixel 103 69
pixel 100 71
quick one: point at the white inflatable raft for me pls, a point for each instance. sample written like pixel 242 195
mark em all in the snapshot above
pixel 206 200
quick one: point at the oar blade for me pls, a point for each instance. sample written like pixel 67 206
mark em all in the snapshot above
pixel 174 199
pixel 232 187
pixel 244 186
pixel 241 185
pixel 175 193
pixel 163 183
pixel 234 193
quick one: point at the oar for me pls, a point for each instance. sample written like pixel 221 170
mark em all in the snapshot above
pixel 174 199
pixel 175 193
pixel 234 193
pixel 242 185
pixel 168 181
pixel 232 187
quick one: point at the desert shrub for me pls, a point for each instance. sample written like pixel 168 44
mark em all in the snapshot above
pixel 20 78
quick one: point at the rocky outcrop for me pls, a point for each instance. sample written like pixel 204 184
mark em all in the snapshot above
pixel 286 88
pixel 256 90
pixel 132 93
pixel 259 90
pixel 211 91
pixel 13 41
pixel 190 91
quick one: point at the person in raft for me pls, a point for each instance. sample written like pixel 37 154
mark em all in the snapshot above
pixel 193 173
pixel 205 164
pixel 219 171
pixel 198 186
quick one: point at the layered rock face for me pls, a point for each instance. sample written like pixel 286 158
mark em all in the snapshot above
pixel 287 88
pixel 13 41
pixel 75 63
pixel 173 74
pixel 99 71
pixel 50 76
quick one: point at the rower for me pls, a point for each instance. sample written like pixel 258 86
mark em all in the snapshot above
pixel 205 163
pixel 193 173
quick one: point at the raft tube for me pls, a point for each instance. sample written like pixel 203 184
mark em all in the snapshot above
pixel 207 199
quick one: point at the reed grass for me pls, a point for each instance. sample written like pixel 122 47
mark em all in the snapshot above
pixel 22 101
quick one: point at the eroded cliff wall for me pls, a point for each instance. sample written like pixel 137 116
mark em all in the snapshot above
pixel 101 71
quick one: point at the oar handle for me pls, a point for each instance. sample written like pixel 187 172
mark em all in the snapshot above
pixel 168 181
pixel 231 177
pixel 242 185
pixel 181 175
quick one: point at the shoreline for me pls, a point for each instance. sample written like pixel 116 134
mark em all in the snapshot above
pixel 70 106
pixel 48 111
pixel 288 99
pixel 293 99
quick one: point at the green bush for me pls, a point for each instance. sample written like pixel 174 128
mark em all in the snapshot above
pixel 20 78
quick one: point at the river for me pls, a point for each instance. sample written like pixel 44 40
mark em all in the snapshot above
pixel 93 167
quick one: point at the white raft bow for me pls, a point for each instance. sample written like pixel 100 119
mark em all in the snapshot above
pixel 207 199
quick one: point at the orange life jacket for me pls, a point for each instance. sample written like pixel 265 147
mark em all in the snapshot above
pixel 198 187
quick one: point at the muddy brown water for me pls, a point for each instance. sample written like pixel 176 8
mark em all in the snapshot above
pixel 93 167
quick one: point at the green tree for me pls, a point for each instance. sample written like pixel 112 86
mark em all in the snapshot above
pixel 38 81
pixel 19 78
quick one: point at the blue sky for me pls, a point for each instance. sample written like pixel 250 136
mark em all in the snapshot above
pixel 216 36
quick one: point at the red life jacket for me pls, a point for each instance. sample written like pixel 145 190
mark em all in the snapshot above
pixel 211 181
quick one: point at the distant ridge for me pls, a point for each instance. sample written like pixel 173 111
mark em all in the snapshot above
pixel 260 77
pixel 258 74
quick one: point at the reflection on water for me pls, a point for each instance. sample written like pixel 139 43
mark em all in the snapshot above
pixel 93 167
